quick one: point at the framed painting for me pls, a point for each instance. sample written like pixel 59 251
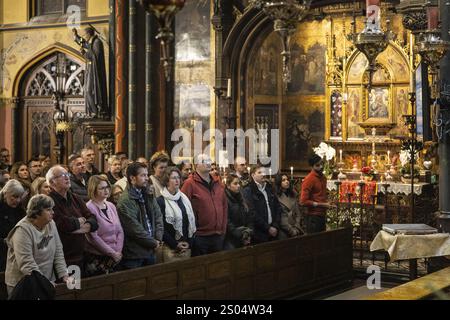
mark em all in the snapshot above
pixel 378 106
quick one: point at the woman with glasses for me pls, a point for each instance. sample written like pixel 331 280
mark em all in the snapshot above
pixel 178 215
pixel 104 247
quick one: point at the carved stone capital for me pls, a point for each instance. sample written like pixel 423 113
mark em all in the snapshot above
pixel 415 21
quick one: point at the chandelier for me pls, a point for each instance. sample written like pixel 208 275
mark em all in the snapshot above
pixel 372 40
pixel 285 15
pixel 164 11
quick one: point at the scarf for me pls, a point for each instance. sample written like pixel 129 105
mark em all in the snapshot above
pixel 174 215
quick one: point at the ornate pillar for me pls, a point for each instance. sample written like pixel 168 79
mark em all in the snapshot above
pixel 132 80
pixel 15 102
pixel 111 64
pixel 222 22
pixel 443 131
pixel 120 80
pixel 148 147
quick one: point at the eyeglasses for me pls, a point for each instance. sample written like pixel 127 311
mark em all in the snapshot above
pixel 65 174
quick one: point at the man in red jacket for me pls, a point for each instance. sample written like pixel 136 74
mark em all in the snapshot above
pixel 209 202
pixel 314 196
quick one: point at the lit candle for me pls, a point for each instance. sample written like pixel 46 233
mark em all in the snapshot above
pixel 340 155
pixel 229 88
pixel 270 173
pixel 225 181
pixel 292 173
pixel 248 170
pixel 432 17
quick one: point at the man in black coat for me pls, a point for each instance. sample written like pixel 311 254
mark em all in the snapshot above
pixel 266 209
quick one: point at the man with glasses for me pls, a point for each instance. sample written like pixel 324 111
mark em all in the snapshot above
pixel 35 168
pixel 5 159
pixel 73 219
pixel 207 195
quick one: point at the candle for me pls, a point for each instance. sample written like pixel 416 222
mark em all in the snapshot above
pixel 340 155
pixel 229 88
pixel 248 170
pixel 389 153
pixel 225 181
pixel 270 173
pixel 292 173
pixel 432 17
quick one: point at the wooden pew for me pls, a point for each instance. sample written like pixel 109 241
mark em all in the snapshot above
pixel 423 288
pixel 298 266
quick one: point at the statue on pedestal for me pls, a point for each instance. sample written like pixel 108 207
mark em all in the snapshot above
pixel 95 91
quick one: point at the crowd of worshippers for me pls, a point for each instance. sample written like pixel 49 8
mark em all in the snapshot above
pixel 136 214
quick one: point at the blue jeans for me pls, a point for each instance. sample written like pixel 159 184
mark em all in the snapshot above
pixel 126 264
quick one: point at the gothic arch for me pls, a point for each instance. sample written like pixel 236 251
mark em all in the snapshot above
pixel 41 56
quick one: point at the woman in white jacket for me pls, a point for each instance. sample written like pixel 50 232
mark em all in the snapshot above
pixel 34 245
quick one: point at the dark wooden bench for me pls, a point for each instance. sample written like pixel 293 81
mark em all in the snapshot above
pixel 298 266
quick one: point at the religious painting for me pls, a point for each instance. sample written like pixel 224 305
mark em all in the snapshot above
pixel 192 32
pixel 401 108
pixel 378 103
pixel 267 66
pixel 336 115
pixel 192 103
pixel 354 131
pixel 307 70
pixel 304 129
pixel 357 69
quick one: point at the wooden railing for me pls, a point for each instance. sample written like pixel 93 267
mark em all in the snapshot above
pixel 298 266
pixel 432 286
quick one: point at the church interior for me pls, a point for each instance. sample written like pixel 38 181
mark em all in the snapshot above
pixel 294 149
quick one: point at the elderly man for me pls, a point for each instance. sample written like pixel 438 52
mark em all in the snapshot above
pixel 88 156
pixel 114 173
pixel 73 219
pixel 78 179
pixel 141 219
pixel 207 195
pixel 241 171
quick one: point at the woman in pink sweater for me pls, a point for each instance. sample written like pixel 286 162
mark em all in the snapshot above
pixel 104 247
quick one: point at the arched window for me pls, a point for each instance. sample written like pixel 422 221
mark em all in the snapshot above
pixel 56 7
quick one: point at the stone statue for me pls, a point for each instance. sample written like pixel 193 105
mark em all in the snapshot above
pixel 95 92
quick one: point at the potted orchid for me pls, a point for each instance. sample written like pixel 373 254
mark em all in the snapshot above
pixel 405 170
pixel 327 153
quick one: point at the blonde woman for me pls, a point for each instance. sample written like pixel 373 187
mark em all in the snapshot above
pixel 104 248
pixel 40 186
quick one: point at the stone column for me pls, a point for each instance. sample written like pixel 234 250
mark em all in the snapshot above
pixel 148 147
pixel 132 80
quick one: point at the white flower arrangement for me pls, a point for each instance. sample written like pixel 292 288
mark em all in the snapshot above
pixel 405 157
pixel 325 151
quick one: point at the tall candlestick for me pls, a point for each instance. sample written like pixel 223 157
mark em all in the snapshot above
pixel 292 173
pixel 229 88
